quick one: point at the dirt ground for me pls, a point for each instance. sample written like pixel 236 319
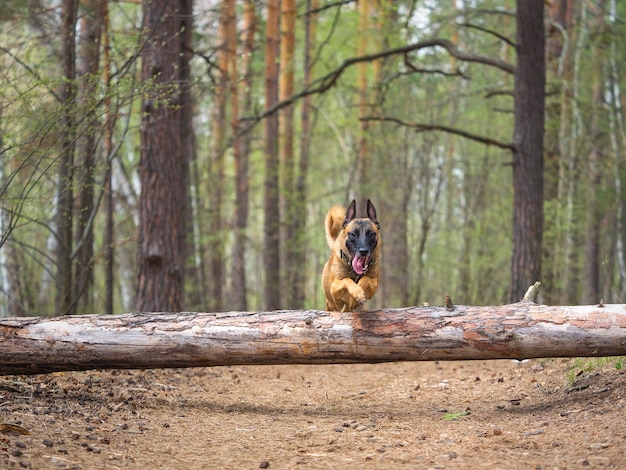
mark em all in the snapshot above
pixel 540 414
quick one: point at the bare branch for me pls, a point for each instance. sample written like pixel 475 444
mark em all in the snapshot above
pixel 468 57
pixel 493 93
pixel 490 32
pixel 419 127
pixel 30 70
pixel 415 69
pixel 329 80
pixel 315 11
pixel 485 11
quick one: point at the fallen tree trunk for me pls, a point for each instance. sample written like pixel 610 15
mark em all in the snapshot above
pixel 160 340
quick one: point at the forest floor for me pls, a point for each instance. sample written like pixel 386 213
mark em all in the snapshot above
pixel 539 414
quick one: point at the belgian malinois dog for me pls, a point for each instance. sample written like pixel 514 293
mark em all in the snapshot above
pixel 350 277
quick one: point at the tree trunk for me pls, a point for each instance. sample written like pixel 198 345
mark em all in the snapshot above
pixel 287 162
pixel 89 60
pixel 161 204
pixel 271 251
pixel 591 271
pixel 219 128
pixel 156 340
pixel 299 220
pixel 617 139
pixel 361 185
pixel 559 69
pixel 241 151
pixel 19 300
pixel 188 147
pixel 65 192
pixel 528 141
pixel 109 202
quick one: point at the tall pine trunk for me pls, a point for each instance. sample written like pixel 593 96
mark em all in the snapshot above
pixel 299 204
pixel 89 60
pixel 188 144
pixel 591 270
pixel 287 160
pixel 528 141
pixel 109 202
pixel 271 244
pixel 219 130
pixel 65 192
pixel 163 193
pixel 241 150
pixel 559 69
pixel 361 189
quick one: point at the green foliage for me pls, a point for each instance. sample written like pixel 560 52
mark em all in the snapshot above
pixel 445 202
pixel 582 365
pixel 455 415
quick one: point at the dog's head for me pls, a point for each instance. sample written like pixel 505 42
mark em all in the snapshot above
pixel 362 237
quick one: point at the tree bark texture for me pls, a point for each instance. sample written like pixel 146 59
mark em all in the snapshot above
pixel 65 191
pixel 530 80
pixel 187 148
pixel 360 186
pixel 162 340
pixel 161 170
pixel 109 201
pixel 217 164
pixel 291 245
pixel 89 64
pixel 596 161
pixel 241 151
pixel 271 204
pixel 299 220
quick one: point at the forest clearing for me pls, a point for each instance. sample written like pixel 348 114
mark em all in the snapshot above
pixel 180 156
pixel 138 177
pixel 537 413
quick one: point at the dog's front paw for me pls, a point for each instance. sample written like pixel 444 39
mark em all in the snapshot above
pixel 358 295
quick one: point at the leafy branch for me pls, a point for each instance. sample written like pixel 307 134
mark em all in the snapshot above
pixel 323 84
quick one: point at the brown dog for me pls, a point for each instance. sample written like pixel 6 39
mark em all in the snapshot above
pixel 350 277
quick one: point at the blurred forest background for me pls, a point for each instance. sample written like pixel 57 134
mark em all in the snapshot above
pixel 181 155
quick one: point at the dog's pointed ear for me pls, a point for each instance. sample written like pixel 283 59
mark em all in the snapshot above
pixel 371 213
pixel 350 213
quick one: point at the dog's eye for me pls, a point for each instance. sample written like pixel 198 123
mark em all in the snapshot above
pixel 353 234
pixel 371 234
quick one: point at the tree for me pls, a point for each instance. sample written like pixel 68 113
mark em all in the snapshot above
pixel 363 157
pixel 219 133
pixel 65 192
pixel 161 243
pixel 271 205
pixel 241 151
pixel 592 238
pixel 299 220
pixel 188 143
pixel 89 66
pixel 109 203
pixel 528 152
pixel 286 151
pixel 421 99
pixel 560 37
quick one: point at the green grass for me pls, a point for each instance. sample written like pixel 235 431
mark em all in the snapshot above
pixel 455 415
pixel 589 364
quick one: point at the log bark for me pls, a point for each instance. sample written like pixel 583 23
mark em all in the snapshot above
pixel 164 340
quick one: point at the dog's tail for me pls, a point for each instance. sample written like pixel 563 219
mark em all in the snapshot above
pixel 334 223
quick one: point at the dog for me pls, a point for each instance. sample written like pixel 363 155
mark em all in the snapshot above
pixel 350 276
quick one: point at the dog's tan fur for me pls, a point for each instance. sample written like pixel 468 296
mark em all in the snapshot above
pixel 344 288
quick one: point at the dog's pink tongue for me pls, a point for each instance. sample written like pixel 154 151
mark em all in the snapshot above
pixel 358 264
